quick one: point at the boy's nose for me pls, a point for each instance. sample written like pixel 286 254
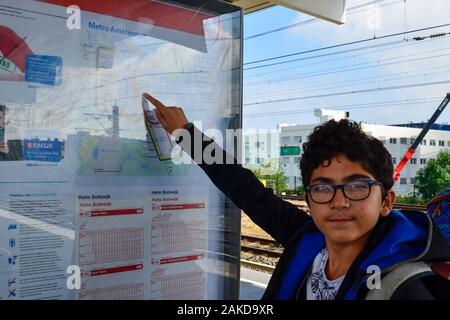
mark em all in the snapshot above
pixel 340 200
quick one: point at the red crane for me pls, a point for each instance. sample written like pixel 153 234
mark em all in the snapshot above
pixel 409 153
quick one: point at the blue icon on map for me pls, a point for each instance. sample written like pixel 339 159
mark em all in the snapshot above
pixel 43 69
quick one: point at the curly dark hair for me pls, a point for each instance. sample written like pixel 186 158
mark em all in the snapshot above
pixel 346 137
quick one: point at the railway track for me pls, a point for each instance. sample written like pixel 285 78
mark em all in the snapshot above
pixel 261 246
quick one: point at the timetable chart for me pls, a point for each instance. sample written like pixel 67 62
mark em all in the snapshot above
pixel 132 291
pixel 99 246
pixel 177 236
pixel 168 285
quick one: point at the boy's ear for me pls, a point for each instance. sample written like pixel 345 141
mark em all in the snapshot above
pixel 388 203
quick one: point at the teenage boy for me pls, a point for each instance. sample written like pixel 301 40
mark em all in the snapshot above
pixel 351 234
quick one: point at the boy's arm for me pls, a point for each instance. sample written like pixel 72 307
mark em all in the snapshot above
pixel 277 217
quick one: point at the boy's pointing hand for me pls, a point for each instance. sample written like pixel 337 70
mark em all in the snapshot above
pixel 171 118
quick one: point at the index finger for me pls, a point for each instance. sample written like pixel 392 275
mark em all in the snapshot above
pixel 158 104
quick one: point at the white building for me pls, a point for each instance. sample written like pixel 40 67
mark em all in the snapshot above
pixel 397 140
pixel 261 147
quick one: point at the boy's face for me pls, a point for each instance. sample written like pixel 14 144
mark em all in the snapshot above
pixel 345 221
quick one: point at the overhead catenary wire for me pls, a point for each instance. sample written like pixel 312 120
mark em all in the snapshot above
pixel 346 44
pixel 403 42
pixel 350 11
pixel 321 56
pixel 345 69
pixel 381 104
pixel 382 45
pixel 388 77
pixel 351 92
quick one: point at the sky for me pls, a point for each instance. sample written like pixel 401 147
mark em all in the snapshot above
pixel 384 80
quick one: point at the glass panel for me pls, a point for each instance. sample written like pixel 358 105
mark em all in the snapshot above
pixel 83 183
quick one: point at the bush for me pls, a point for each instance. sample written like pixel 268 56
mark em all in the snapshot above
pixel 410 199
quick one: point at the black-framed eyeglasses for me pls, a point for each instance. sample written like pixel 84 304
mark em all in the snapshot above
pixel 355 190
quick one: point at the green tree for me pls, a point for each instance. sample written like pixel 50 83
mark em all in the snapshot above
pixel 435 176
pixel 300 190
pixel 280 181
pixel 274 178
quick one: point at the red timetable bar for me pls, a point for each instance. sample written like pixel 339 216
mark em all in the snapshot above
pixel 180 259
pixel 100 272
pixel 183 206
pixel 114 212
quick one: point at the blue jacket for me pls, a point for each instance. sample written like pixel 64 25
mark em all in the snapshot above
pixel 399 238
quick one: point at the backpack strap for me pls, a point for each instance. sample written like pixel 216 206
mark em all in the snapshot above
pixel 394 279
pixel 438 199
